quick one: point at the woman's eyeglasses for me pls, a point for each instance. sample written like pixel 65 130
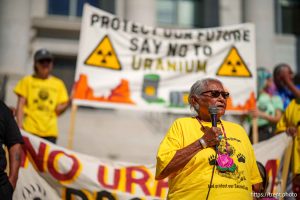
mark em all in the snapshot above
pixel 216 94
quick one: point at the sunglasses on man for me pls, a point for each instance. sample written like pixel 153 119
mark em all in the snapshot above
pixel 215 94
pixel 44 61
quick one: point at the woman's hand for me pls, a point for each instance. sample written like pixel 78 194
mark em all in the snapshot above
pixel 211 136
pixel 257 113
pixel 291 131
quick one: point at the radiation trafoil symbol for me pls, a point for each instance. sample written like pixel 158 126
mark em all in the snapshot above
pixel 234 65
pixel 104 56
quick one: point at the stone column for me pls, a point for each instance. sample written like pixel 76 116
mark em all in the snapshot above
pixel 141 11
pixel 14 35
pixel 230 12
pixel 14 43
pixel 262 14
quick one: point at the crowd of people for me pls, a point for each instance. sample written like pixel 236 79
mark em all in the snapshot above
pixel 197 154
pixel 284 97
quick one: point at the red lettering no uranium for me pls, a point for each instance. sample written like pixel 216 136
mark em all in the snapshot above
pixel 115 184
pixel 162 184
pixel 66 176
pixel 130 180
pixel 139 181
pixel 37 158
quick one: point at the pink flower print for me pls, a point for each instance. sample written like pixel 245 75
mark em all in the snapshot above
pixel 224 161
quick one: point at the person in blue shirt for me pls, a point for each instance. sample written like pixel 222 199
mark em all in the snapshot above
pixel 286 88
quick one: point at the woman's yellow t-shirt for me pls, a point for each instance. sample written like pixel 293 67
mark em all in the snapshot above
pixel 192 182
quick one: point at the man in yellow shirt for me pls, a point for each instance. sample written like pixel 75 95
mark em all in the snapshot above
pixel 290 123
pixel 41 98
pixel 204 162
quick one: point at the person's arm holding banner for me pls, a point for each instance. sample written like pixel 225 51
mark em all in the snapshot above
pixel 12 139
pixel 266 116
pixel 64 100
pixel 14 163
pixel 61 108
pixel 20 111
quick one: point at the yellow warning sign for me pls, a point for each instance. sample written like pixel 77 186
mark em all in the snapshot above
pixel 150 90
pixel 104 56
pixel 233 65
pixel 185 98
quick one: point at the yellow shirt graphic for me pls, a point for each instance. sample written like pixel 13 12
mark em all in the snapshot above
pixel 42 96
pixel 192 182
pixel 291 117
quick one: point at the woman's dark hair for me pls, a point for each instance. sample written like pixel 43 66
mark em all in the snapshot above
pixel 276 72
pixel 278 68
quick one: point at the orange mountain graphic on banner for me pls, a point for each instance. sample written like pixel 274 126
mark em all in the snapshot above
pixel 120 94
pixel 250 104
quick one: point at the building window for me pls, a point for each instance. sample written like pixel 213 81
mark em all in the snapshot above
pixel 187 13
pixel 65 70
pixel 288 16
pixel 75 7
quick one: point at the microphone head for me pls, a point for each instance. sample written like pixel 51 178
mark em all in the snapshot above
pixel 213 110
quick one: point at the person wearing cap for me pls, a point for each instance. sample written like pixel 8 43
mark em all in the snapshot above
pixel 203 161
pixel 41 98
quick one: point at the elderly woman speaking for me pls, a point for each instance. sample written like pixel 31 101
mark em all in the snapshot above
pixel 203 161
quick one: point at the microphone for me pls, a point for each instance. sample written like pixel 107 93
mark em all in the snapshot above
pixel 213 111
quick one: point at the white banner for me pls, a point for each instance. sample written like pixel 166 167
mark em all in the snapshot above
pixel 271 154
pixel 123 64
pixel 51 172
